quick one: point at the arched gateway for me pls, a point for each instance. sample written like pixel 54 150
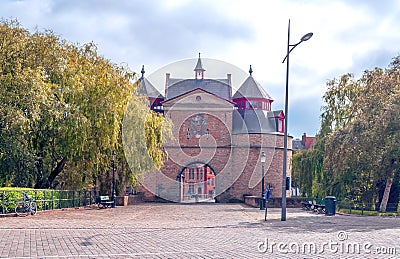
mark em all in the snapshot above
pixel 218 136
pixel 197 183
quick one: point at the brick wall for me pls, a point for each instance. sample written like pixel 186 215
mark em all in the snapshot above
pixel 234 158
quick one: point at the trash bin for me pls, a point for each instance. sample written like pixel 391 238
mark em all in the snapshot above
pixel 330 205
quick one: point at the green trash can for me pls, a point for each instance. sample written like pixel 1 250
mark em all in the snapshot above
pixel 330 205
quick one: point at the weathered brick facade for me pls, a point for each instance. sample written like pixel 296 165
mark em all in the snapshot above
pixel 217 131
pixel 235 158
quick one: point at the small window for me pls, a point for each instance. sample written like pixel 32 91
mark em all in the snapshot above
pixel 280 126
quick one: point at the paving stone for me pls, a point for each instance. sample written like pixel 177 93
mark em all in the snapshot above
pixel 155 230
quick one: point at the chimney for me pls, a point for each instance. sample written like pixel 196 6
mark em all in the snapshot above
pixel 167 75
pixel 229 77
pixel 303 139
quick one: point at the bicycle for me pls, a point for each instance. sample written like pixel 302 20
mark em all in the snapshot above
pixel 27 206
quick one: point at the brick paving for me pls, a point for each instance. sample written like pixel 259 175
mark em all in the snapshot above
pixel 153 230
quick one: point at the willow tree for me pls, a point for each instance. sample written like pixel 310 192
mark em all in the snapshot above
pixel 62 111
pixel 142 124
pixel 308 170
pixel 363 146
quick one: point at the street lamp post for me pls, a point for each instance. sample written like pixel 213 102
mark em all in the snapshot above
pixel 262 200
pixel 113 179
pixel 290 47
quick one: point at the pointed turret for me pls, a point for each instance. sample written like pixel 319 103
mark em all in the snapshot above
pixel 146 88
pixel 253 114
pixel 251 95
pixel 199 70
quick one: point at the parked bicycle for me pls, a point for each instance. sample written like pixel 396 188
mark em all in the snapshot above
pixel 27 206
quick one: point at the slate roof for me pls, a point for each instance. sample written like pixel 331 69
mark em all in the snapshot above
pixel 172 81
pixel 216 87
pixel 297 144
pixel 146 88
pixel 194 91
pixel 251 89
pixel 253 121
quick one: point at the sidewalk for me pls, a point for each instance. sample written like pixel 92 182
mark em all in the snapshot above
pixel 153 230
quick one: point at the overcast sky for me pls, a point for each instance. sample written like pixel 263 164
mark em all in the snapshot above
pixel 349 36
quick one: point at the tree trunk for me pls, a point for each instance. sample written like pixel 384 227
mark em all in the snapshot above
pixel 56 171
pixel 385 197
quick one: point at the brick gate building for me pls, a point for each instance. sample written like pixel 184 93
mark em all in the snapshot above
pixel 219 137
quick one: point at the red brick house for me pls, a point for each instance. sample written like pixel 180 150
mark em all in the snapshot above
pixel 219 137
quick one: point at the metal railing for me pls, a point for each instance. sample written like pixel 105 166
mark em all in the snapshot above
pixel 47 199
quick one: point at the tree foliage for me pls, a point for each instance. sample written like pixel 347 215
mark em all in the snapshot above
pixel 365 149
pixel 143 134
pixel 308 171
pixel 61 113
pixel 358 146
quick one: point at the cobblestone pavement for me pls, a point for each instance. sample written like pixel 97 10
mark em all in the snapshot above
pixel 153 230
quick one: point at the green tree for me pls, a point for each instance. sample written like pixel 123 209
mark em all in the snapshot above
pixel 62 112
pixel 308 170
pixel 358 144
pixel 361 119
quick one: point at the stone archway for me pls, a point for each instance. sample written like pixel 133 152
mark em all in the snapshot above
pixel 197 183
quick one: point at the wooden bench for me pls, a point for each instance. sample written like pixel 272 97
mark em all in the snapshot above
pixel 314 204
pixel 307 204
pixel 104 202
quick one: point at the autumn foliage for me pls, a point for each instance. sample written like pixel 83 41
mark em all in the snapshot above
pixel 61 113
pixel 357 157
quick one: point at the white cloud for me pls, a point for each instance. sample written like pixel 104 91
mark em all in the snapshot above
pixel 349 36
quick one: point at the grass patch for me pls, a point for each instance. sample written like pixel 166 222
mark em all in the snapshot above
pixel 370 213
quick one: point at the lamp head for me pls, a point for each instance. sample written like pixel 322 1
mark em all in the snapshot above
pixel 263 157
pixel 307 36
